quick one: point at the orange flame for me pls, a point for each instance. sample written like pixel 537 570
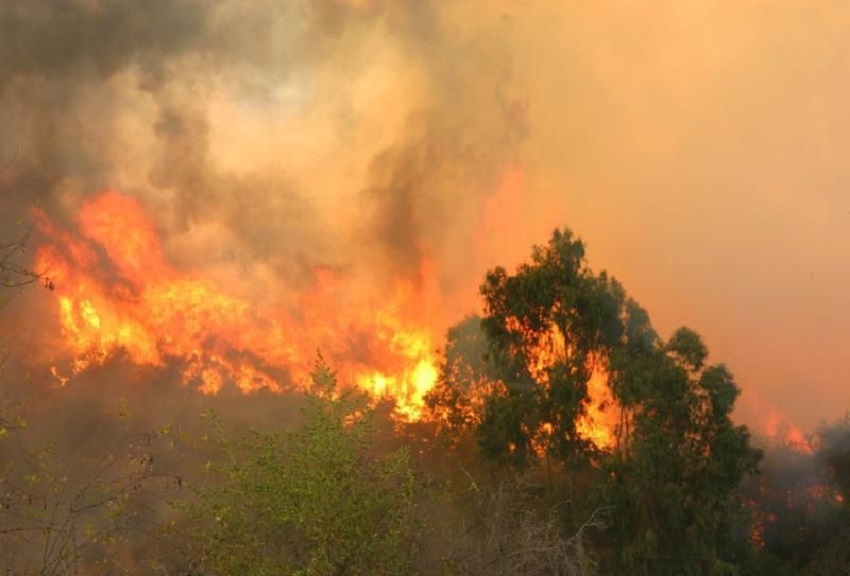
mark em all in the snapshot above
pixel 779 429
pixel 600 422
pixel 116 291
pixel 773 424
pixel 601 417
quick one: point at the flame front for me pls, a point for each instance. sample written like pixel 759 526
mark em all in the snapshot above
pixel 117 292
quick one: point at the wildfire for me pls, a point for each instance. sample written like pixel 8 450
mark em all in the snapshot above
pixel 599 422
pixel 774 425
pixel 117 293
pixel 780 430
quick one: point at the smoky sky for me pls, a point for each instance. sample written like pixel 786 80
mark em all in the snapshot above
pixel 698 148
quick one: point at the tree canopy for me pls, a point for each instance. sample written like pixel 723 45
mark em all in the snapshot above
pixel 521 384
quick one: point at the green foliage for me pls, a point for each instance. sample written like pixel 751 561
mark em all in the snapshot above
pixel 675 488
pixel 687 346
pixel 466 377
pixel 672 480
pixel 315 501
pixel 544 329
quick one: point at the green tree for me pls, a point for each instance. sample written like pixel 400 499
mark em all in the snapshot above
pixel 672 478
pixel 675 491
pixel 315 501
pixel 467 379
pixel 547 327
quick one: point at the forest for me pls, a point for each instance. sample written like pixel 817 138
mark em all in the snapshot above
pixel 507 472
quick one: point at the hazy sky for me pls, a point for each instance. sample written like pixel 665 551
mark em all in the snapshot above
pixel 700 149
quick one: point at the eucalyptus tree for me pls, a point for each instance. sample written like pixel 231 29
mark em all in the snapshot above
pixel 521 384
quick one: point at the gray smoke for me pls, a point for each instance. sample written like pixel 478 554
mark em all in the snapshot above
pixel 98 94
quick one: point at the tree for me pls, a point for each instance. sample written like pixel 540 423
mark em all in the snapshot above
pixel 834 454
pixel 467 379
pixel 522 380
pixel 547 328
pixel 672 478
pixel 676 490
pixel 315 501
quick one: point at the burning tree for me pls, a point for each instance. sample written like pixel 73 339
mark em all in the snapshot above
pixel 568 371
pixel 537 386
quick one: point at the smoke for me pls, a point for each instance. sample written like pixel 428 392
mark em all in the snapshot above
pixel 287 134
pixel 697 149
pixel 799 496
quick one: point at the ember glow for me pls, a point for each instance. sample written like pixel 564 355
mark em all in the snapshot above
pixel 117 293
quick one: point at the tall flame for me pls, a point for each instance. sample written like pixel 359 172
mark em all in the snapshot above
pixel 117 293
pixel 601 415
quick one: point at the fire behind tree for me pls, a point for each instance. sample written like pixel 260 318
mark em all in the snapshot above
pixel 116 292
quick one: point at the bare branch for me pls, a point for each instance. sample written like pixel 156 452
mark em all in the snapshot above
pixel 507 537
pixel 12 273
